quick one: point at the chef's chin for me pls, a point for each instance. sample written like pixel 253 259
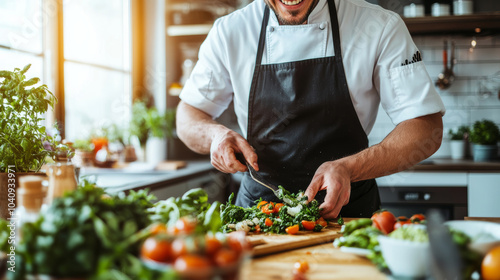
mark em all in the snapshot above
pixel 291 15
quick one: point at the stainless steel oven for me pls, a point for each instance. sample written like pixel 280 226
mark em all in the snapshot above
pixel 408 200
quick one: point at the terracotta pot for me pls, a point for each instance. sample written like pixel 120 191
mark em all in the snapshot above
pixel 8 190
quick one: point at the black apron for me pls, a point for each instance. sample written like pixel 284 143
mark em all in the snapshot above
pixel 300 115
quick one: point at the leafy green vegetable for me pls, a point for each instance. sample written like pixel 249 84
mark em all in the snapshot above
pixel 87 233
pixel 411 234
pixel 194 203
pixel 295 210
pixel 21 131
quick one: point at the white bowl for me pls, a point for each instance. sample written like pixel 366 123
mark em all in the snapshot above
pixel 484 235
pixel 405 258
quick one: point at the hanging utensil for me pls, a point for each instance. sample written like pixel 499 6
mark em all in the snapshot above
pixel 446 77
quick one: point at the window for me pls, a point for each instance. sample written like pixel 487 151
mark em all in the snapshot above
pixel 21 41
pixel 96 66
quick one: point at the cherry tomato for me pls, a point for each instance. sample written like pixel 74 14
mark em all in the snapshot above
pixel 235 241
pixel 292 229
pixel 490 267
pixel 268 222
pixel 193 264
pixel 158 228
pixel 225 257
pixel 417 218
pixel 321 222
pixel 301 267
pixel 384 221
pixel 156 249
pixel 308 225
pixel 212 245
pixel 184 225
pixel 277 207
pixel 257 228
pixel 263 202
pixel 185 245
pixel 267 208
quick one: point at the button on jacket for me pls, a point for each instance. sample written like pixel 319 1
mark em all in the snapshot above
pixel 381 62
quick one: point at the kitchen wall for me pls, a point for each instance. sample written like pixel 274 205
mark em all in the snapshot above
pixel 463 101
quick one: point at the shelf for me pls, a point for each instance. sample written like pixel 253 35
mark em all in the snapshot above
pixel 487 22
pixel 189 30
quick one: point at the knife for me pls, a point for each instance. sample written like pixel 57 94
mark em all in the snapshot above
pixel 446 260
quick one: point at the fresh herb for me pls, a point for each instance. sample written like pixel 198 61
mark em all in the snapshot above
pixel 340 220
pixel 485 132
pixel 148 122
pixel 87 233
pixel 21 132
pixel 194 204
pixel 460 133
pixel 4 236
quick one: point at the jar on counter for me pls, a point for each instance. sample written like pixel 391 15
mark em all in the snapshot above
pixel 62 178
pixel 440 9
pixel 31 194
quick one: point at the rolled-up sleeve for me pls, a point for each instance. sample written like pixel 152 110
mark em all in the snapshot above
pixel 405 87
pixel 209 87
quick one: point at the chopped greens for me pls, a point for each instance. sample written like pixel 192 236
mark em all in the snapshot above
pixel 279 216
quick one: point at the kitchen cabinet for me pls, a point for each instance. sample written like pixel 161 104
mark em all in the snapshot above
pixel 484 195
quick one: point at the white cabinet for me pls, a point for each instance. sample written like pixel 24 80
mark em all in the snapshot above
pixel 484 195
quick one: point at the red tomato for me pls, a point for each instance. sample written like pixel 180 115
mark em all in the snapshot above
pixel 301 267
pixel 292 229
pixel 158 228
pixel 277 207
pixel 308 225
pixel 268 222
pixel 184 245
pixel 196 264
pixel 267 208
pixel 212 245
pixel 225 257
pixel 156 249
pixel 263 202
pixel 321 222
pixel 384 221
pixel 184 225
pixel 417 218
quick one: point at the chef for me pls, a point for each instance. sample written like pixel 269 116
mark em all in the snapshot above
pixel 307 78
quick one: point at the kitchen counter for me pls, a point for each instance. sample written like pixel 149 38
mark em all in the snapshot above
pixel 445 165
pixel 325 262
pixel 141 176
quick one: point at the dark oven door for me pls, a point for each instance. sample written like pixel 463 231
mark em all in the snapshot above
pixel 406 201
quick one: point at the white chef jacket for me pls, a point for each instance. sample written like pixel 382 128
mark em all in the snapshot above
pixel 375 46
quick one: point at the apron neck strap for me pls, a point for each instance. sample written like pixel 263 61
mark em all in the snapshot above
pixel 262 39
pixel 335 29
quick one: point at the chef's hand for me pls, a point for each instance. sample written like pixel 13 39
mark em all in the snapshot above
pixel 225 144
pixel 335 178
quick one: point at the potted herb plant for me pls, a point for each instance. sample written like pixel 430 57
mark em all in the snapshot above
pixel 485 135
pixel 151 128
pixel 458 143
pixel 22 135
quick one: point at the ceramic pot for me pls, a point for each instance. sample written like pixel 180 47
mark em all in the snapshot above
pixel 457 149
pixel 485 152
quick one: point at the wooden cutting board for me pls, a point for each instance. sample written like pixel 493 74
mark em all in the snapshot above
pixel 264 244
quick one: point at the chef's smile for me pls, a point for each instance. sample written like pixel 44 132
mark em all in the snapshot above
pixel 290 12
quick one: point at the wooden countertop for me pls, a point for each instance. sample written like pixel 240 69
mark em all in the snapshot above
pixel 457 165
pixel 325 262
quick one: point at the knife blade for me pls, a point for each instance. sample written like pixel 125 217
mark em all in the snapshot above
pixel 446 260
